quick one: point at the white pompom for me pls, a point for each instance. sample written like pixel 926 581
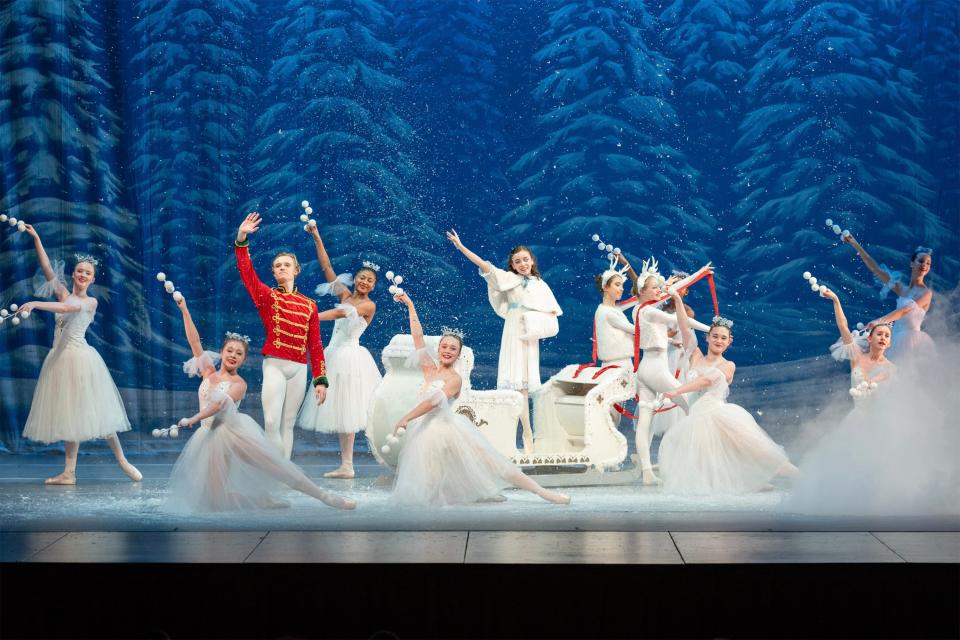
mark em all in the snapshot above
pixel 392 439
pixel 822 288
pixel 829 222
pixel 860 326
pixel 3 313
pixel 304 217
pixel 845 233
pixel 401 431
pixel 616 251
pixel 385 448
pixel 399 291
pixel 815 288
pixel 609 248
pixel 15 321
pixel 312 223
pixel 21 226
pixel 174 432
pixel 873 385
pixel 854 392
pixel 812 279
pixel 25 314
pixel 389 275
pixel 601 246
pixel 14 306
pixel 3 217
pixel 306 227
pixel 161 276
pixel 610 256
pixel 309 211
pixel 392 289
pixel 836 229
pixel 13 222
pixel 177 296
pixel 155 433
pixel 304 204
pixel 595 238
pixel 168 286
pixel 398 280
pixel 806 275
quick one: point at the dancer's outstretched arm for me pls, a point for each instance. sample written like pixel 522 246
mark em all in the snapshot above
pixel 840 316
pixel 482 264
pixel 450 389
pixel 923 302
pixel 190 329
pixel 416 329
pixel 325 263
pixel 45 266
pixel 55 307
pixel 868 260
pixel 331 314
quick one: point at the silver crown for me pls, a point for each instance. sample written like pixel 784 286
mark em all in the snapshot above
pixel 236 336
pixel 84 257
pixel 926 250
pixel 720 321
pixel 371 265
pixel 452 331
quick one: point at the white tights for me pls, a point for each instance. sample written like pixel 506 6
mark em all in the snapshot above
pixel 284 387
pixel 653 377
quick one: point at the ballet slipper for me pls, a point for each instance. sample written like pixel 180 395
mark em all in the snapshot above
pixel 275 503
pixel 132 472
pixel 339 503
pixel 344 472
pixel 65 478
pixel 649 477
pixel 556 497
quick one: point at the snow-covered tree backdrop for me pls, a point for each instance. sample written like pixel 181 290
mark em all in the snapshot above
pixel 691 130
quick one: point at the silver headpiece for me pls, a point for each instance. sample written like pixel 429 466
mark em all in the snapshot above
pixel 926 250
pixel 236 336
pixel 371 265
pixel 452 331
pixel 720 321
pixel 83 257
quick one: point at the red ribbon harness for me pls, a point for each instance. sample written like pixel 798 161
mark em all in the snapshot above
pixel 636 342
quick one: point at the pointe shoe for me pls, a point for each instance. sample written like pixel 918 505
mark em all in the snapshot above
pixel 274 503
pixel 557 498
pixel 340 503
pixel 344 472
pixel 132 472
pixel 65 478
pixel 649 477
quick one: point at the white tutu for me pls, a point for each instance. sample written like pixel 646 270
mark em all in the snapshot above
pixel 445 460
pixel 75 398
pixel 353 376
pixel 718 448
pixel 228 465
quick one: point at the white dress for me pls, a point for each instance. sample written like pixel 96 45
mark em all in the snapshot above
pixel 511 295
pixel 353 376
pixel 718 448
pixel 75 399
pixel 909 340
pixel 445 460
pixel 228 463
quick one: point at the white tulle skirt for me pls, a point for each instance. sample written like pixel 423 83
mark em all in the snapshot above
pixel 229 466
pixel 445 460
pixel 909 344
pixel 353 376
pixel 75 399
pixel 718 449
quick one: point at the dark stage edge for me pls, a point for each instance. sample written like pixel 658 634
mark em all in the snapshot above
pixel 479 601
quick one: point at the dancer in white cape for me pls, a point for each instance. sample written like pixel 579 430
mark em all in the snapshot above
pixel 444 459
pixel 717 448
pixel 913 302
pixel 654 375
pixel 352 373
pixel 529 310
pixel 75 399
pixel 229 464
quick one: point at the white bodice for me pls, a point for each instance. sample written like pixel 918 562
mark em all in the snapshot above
pixel 204 394
pixel 714 395
pixel 347 330
pixel 914 318
pixel 72 327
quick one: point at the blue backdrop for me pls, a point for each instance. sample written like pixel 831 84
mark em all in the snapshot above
pixel 693 130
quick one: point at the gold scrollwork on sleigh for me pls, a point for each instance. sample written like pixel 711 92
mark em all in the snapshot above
pixel 470 414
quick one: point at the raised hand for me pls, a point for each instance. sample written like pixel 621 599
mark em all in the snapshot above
pixel 453 237
pixel 249 225
pixel 28 228
pixel 312 231
pixel 402 424
pixel 403 298
pixel 828 294
pixel 849 239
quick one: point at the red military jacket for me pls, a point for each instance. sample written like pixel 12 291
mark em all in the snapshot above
pixel 290 319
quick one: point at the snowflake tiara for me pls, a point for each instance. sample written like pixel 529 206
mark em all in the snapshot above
pixel 452 331
pixel 720 321
pixel 926 250
pixel 236 336
pixel 371 265
pixel 84 257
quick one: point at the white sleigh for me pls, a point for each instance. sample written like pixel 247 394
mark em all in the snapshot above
pixel 495 413
pixel 572 421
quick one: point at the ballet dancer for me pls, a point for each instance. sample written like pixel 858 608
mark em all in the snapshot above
pixel 293 330
pixel 444 459
pixel 913 301
pixel 229 463
pixel 513 294
pixel 653 374
pixel 717 448
pixel 75 399
pixel 351 370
